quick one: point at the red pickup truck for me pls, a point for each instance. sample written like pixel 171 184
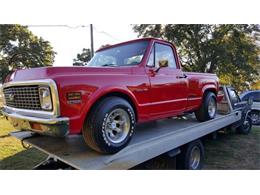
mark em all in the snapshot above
pixel 123 84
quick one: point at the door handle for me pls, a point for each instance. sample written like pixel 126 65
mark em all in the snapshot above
pixel 181 76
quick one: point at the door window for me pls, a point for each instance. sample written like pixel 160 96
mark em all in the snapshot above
pixel 151 59
pixel 256 96
pixel 164 52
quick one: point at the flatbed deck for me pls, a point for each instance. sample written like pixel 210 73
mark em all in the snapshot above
pixel 150 140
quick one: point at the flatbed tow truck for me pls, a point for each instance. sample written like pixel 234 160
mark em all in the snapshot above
pixel 174 138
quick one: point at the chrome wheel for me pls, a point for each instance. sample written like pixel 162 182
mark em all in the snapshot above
pixel 255 118
pixel 195 158
pixel 117 125
pixel 212 108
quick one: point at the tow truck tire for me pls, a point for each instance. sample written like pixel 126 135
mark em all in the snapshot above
pixel 246 127
pixel 191 156
pixel 208 108
pixel 109 125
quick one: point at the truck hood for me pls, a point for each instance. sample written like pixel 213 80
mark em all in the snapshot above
pixel 54 72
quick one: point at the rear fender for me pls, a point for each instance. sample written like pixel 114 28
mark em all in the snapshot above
pixel 210 87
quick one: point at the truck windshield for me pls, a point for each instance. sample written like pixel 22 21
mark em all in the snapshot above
pixel 122 55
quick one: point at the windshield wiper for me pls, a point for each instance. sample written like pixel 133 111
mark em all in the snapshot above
pixel 109 65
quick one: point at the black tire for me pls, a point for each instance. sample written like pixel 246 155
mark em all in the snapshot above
pixel 185 160
pixel 202 114
pixel 94 130
pixel 246 127
pixel 255 116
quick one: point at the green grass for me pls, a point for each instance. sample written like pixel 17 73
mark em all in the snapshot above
pixel 12 153
pixel 229 151
pixel 233 151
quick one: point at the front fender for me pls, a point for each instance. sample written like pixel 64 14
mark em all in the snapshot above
pixel 106 90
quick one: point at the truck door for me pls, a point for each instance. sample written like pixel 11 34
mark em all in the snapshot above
pixel 168 92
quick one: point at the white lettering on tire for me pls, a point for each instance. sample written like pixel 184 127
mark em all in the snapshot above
pixel 104 122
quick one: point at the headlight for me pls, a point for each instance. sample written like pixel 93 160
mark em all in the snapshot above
pixel 45 98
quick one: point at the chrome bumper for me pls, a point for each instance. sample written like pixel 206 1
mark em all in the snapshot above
pixel 47 126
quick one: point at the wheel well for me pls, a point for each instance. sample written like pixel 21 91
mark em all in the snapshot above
pixel 116 94
pixel 254 110
pixel 210 90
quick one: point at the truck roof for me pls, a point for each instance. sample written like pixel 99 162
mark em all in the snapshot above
pixel 131 41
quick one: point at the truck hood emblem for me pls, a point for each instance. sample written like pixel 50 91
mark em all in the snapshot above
pixel 11 97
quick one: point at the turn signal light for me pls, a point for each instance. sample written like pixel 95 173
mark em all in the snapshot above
pixel 36 126
pixel 74 97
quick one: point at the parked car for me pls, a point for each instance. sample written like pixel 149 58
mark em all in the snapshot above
pixel 255 96
pixel 123 84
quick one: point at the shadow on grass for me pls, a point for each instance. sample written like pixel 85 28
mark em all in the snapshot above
pixel 4 136
pixel 23 160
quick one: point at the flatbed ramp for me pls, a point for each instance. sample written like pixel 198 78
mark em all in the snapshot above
pixel 150 140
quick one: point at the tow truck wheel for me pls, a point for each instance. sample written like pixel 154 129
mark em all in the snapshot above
pixel 245 128
pixel 191 156
pixel 208 108
pixel 109 126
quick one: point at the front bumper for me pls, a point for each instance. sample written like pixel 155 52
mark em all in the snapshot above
pixel 58 126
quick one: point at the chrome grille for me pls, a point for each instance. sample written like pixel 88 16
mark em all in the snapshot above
pixel 24 97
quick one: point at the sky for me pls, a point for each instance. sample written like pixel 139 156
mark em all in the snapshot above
pixel 69 41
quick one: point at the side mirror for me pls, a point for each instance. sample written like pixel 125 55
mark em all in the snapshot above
pixel 250 101
pixel 162 64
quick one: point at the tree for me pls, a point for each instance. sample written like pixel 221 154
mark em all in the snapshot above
pixel 20 48
pixel 256 85
pixel 82 58
pixel 231 51
pixel 85 56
